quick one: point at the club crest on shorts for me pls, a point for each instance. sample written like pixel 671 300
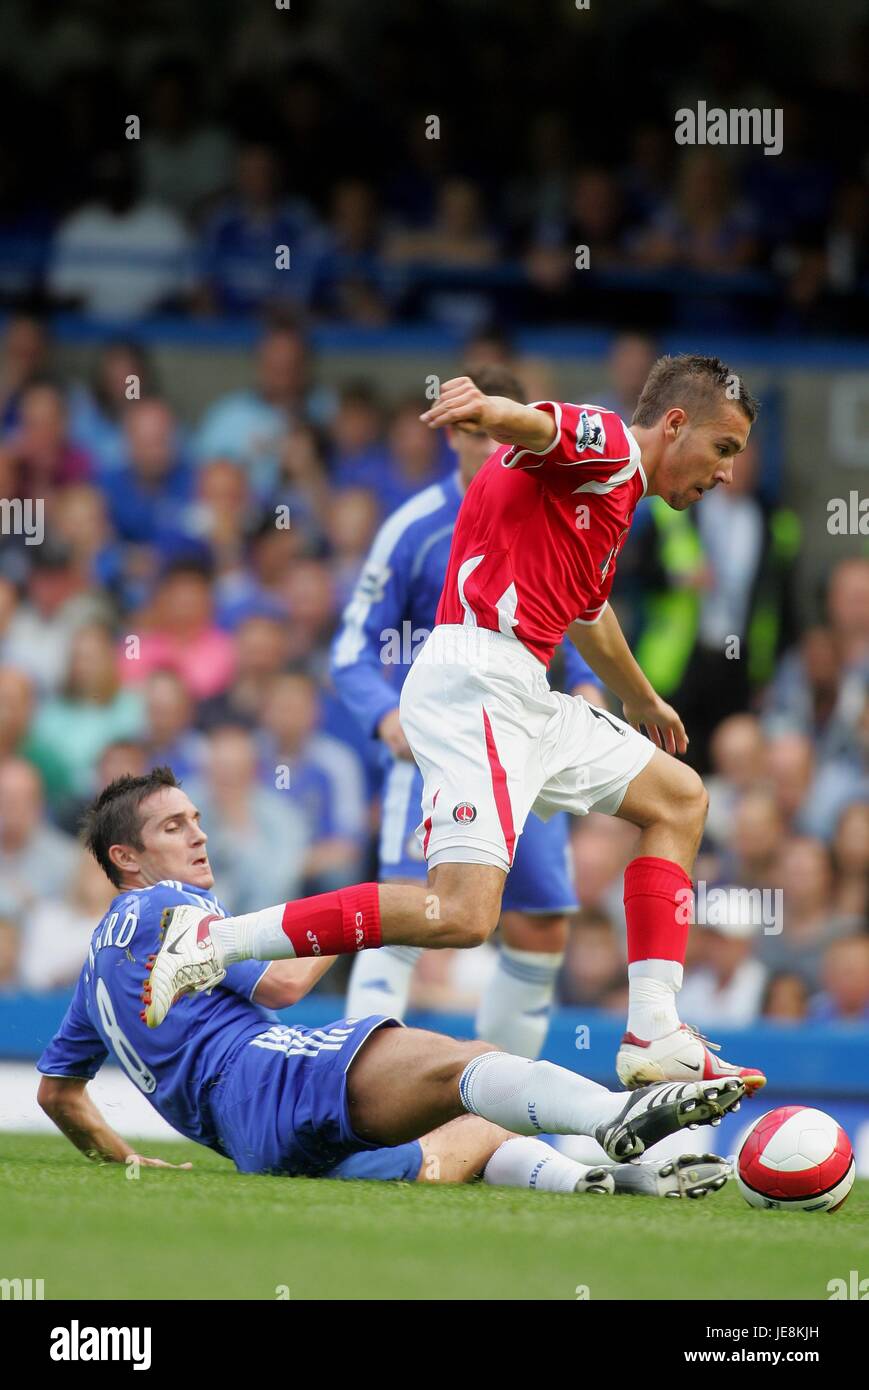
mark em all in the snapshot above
pixel 464 812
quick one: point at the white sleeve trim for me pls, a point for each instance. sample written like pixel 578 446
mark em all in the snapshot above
pixel 590 622
pixel 259 980
pixel 65 1075
pixel 556 408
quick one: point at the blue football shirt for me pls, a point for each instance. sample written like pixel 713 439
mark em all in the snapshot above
pixel 173 1065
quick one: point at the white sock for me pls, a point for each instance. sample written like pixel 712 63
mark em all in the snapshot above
pixel 652 989
pixel 253 936
pixel 529 1162
pixel 517 1002
pixel 535 1097
pixel 380 981
pixel 581 1148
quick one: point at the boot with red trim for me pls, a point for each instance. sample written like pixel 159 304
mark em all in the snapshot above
pixel 684 1055
pixel 188 961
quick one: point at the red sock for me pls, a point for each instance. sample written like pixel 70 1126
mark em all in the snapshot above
pixel 658 909
pixel 334 924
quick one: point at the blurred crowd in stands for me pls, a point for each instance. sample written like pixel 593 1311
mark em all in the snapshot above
pixel 335 160
pixel 181 603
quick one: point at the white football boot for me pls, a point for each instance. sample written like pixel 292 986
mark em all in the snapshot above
pixel 689 1175
pixel 187 962
pixel 652 1112
pixel 683 1055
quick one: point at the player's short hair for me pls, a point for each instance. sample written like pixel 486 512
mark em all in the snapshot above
pixel 695 383
pixel 495 380
pixel 114 818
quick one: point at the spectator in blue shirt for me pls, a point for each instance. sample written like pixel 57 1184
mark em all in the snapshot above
pixel 242 241
pixel 845 978
pixel 170 739
pixel 324 778
pixel 350 530
pixel 351 280
pixel 248 426
pixel 96 410
pixel 261 647
pixel 255 832
pixel 258 589
pixel 24 358
pixel 359 454
pixel 149 498
pixel 414 460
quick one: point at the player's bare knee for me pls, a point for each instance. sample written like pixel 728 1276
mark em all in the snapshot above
pixel 687 803
pixel 450 1065
pixel 475 929
pixel 697 798
pixel 463 923
pixel 463 904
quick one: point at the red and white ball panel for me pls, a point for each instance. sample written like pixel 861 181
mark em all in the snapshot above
pixel 796 1157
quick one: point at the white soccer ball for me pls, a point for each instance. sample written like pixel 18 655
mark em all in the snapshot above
pixel 795 1159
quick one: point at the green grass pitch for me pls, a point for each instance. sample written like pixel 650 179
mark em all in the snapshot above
pixel 92 1232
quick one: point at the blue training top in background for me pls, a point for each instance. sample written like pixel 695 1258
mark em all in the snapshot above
pixel 394 605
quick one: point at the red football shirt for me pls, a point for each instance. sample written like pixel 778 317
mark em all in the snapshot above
pixel 537 536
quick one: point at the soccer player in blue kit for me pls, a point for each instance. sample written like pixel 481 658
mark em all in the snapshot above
pixel 359 1098
pixel 395 599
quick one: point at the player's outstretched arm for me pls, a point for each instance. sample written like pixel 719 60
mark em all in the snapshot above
pixel 287 981
pixel 66 1102
pixel 463 405
pixel 604 647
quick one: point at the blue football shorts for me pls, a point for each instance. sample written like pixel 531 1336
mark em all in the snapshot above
pixel 281 1106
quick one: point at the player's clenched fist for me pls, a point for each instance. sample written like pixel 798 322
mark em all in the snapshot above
pixel 461 404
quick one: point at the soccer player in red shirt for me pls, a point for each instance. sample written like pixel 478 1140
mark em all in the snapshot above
pixel 533 556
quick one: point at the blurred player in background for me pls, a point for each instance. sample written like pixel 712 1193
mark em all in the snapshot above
pixel 398 593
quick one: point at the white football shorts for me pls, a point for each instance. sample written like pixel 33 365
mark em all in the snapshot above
pixel 493 743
